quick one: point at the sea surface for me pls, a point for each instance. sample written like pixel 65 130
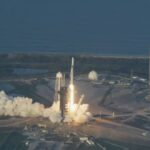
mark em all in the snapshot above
pixel 89 27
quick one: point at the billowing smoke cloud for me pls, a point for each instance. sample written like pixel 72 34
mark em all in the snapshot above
pixel 24 107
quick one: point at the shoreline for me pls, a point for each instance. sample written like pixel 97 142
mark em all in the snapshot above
pixel 82 55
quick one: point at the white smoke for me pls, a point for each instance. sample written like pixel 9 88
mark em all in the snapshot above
pixel 24 107
pixel 93 76
pixel 80 115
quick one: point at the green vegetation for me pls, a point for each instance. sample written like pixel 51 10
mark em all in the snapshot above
pixel 84 64
pixel 12 140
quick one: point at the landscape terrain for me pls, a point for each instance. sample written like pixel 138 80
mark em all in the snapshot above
pixel 119 102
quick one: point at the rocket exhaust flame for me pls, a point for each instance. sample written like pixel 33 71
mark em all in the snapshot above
pixel 71 98
pixel 71 88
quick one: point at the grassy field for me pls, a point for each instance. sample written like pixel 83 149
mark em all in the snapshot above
pixel 84 64
pixel 11 140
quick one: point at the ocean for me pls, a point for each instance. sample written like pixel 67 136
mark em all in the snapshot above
pixel 89 27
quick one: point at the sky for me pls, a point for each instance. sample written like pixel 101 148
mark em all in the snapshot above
pixel 112 27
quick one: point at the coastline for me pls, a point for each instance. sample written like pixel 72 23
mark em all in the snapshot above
pixel 81 54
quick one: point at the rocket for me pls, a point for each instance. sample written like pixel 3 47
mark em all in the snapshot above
pixel 72 71
pixel 62 91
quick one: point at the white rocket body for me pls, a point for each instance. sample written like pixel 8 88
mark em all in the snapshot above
pixel 72 72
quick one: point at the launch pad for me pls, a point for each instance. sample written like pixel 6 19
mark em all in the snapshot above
pixel 119 106
pixel 65 93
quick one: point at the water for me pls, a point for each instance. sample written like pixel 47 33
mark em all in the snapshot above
pixel 96 27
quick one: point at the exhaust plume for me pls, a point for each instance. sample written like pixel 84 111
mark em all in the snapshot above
pixel 24 107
